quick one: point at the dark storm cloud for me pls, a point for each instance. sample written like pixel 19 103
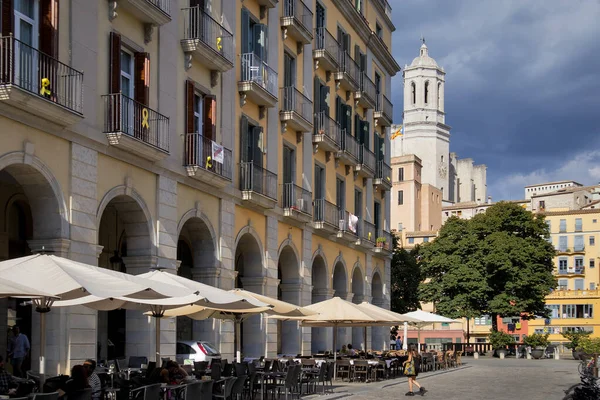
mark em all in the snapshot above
pixel 522 84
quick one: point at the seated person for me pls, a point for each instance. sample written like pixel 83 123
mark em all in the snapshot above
pixel 344 350
pixel 93 379
pixel 7 382
pixel 176 373
pixel 351 351
pixel 170 373
pixel 78 381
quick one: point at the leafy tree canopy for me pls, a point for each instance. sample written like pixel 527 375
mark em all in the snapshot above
pixel 406 276
pixel 499 263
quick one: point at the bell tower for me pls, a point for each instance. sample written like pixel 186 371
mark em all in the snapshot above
pixel 425 131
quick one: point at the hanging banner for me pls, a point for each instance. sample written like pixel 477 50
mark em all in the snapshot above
pixel 218 153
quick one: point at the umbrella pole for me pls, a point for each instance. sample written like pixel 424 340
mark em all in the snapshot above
pixel 405 341
pixel 238 353
pixel 157 321
pixel 365 339
pixel 42 346
pixel 419 339
pixel 334 352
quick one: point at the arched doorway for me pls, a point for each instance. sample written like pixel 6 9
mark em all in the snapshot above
pixel 358 288
pixel 196 253
pixel 288 273
pixel 124 235
pixel 249 270
pixel 32 218
pixel 320 337
pixel 340 287
pixel 380 334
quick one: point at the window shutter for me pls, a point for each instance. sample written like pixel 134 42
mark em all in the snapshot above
pixel 7 17
pixel 358 129
pixel 338 110
pixel 260 41
pixel 246 34
pixel 317 96
pixel 366 131
pixel 49 27
pixel 244 136
pixel 210 117
pixel 189 106
pixel 325 99
pixel 142 78
pixel 258 144
pixel 115 63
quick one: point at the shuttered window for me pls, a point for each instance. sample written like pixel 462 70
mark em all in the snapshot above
pixel 49 27
pixel 578 243
pixel 562 243
pixel 122 66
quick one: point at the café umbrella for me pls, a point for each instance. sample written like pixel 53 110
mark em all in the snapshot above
pixel 71 280
pixel 424 318
pixel 270 306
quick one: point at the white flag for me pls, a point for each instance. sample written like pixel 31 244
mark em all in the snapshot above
pixel 217 153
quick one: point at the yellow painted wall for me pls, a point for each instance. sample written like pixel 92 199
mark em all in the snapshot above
pixel 187 198
pixel 258 222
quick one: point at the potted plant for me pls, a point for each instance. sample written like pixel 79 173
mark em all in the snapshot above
pixel 574 344
pixel 380 241
pixel 499 341
pixel 538 343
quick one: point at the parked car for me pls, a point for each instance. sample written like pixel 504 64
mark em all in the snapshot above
pixel 196 351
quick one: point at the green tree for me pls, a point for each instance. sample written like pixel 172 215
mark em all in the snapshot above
pixel 405 279
pixel 498 263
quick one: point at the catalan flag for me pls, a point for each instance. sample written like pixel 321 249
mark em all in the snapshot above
pixel 399 132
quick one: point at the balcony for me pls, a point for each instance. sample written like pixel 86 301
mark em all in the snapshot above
pixel 296 110
pixel 326 217
pixel 327 133
pixel 384 111
pixel 259 81
pixel 327 50
pixel 38 84
pixel 207 41
pixel 296 203
pixel 208 161
pixel 366 163
pixel 258 186
pixel 383 243
pixel 366 237
pixel 347 75
pixel 348 227
pixel 383 176
pixel 349 152
pixel 153 12
pixel 572 271
pixel 132 126
pixel 367 94
pixel 296 21
pixel 267 3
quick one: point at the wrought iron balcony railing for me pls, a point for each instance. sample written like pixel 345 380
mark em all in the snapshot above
pixel 204 153
pixel 348 225
pixel 198 25
pixel 296 198
pixel 325 41
pixel 256 70
pixel 39 74
pixel 384 106
pixel 367 88
pixel 162 5
pixel 254 178
pixel 125 115
pixel 325 125
pixel 350 145
pixel 367 159
pixel 349 67
pixel 326 212
pixel 368 231
pixel 384 172
pixel 300 12
pixel 293 100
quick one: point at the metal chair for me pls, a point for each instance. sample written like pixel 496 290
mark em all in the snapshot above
pixel 44 396
pixel 237 391
pixel 85 394
pixel 343 369
pixel 192 391
pixel 137 361
pixel 223 391
pixel 149 392
pixel 361 368
pixel 215 372
pixel 206 390
pixel 241 368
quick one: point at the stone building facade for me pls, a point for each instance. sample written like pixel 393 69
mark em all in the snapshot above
pixel 202 139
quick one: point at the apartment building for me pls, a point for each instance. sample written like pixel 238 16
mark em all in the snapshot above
pixel 199 137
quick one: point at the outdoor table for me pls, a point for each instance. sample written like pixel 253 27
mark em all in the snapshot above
pixel 266 375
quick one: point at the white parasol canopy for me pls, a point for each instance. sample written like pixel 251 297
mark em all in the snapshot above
pixel 12 289
pixel 424 318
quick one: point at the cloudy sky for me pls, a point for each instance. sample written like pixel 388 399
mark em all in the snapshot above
pixel 522 84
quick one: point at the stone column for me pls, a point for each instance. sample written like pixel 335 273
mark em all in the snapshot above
pixel 307 288
pixel 322 338
pixel 291 340
pixel 227 276
pixel 208 329
pixel 271 285
pixel 259 334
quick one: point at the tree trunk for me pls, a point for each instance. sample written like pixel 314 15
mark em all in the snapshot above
pixel 494 322
pixel 468 333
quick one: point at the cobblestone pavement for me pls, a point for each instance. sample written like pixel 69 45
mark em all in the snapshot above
pixel 486 378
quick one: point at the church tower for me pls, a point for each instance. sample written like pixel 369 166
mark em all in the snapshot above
pixel 425 131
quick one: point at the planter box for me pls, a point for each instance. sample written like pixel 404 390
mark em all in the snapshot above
pixel 537 353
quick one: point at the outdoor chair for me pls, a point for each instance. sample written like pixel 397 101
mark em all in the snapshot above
pixel 441 363
pixel 44 396
pixel 206 390
pixel 308 363
pixel 251 386
pixel 343 369
pixel 215 372
pixel 228 370
pixel 237 390
pixel 84 394
pixel 268 365
pixel 322 377
pixel 289 384
pixel 200 368
pixel 192 391
pixel 150 392
pixel 223 388
pixel 361 369
pixel 137 361
pixel 459 358
pixel 330 373
pixel 241 368
pixel 381 370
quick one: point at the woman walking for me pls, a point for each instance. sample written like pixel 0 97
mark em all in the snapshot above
pixel 411 370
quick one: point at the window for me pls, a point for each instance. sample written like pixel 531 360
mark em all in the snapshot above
pixel 579 284
pixel 578 262
pixel 411 240
pixel 563 226
pixel 562 243
pixel 563 284
pixel 594 221
pixel 413 90
pixel 400 174
pixel 426 94
pixel 483 320
pixel 378 30
pixel 562 265
pixel 554 310
pixel 254 36
pixel 578 244
pixel 127 73
pixel 578 225
pixel 592 286
pixel 592 263
pixel 289 165
pixel 542 205
pixel 425 240
pixel 445 324
pixel 578 310
pixel 400 197
pixel 251 137
pixel 400 227
pixel 377 215
pixel 319 182
pixel 549 223
pixel 340 196
pixel 592 240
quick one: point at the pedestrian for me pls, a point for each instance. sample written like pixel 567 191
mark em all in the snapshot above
pixel 18 349
pixel 399 342
pixel 93 379
pixel 411 371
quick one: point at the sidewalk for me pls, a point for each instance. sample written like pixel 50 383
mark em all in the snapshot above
pixel 347 389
